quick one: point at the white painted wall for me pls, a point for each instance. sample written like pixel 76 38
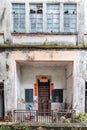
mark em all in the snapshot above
pixel 69 84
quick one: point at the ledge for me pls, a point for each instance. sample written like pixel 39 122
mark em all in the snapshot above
pixel 31 34
pixel 1 33
pixel 47 126
pixel 22 46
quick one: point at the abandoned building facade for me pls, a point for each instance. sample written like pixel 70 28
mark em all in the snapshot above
pixel 43 57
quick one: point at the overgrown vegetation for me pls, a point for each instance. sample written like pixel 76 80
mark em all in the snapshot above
pixel 3 127
pixel 75 118
pixel 81 117
pixel 44 127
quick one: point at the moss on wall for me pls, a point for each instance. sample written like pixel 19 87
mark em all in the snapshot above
pixel 21 46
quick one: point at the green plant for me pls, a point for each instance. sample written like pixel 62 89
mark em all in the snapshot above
pixel 81 117
pixel 5 127
pixel 67 120
pixel 26 128
pixel 56 117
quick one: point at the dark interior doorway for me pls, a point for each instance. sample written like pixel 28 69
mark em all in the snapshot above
pixel 86 97
pixel 1 100
pixel 44 105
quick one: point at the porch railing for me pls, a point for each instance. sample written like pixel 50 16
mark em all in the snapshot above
pixel 36 116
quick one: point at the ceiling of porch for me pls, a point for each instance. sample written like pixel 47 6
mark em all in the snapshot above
pixel 45 63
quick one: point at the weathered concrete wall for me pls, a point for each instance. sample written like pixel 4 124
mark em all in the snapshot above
pixel 45 39
pixel 18 84
pixel 6 76
pixel 80 77
pixel 7 27
pixel 81 21
pixel 5 21
pixel 2 14
pixel 16 78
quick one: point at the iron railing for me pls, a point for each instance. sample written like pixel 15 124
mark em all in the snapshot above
pixel 38 116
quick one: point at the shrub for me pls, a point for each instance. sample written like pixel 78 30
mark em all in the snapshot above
pixel 5 127
pixel 81 117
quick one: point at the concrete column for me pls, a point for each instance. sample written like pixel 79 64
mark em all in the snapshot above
pixel 11 17
pixel 80 22
pixel 44 17
pixel 27 18
pixel 61 18
pixel 7 26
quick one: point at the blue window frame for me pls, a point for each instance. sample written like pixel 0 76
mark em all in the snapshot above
pixel 36 18
pixel 53 18
pixel 18 17
pixel 70 18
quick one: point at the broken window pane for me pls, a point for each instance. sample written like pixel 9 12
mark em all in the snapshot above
pixel 36 17
pixel 70 17
pixel 53 18
pixel 18 17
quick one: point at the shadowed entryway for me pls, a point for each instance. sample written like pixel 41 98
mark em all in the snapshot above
pixel 44 105
pixel 1 100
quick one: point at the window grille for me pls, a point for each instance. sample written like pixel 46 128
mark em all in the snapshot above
pixel 53 18
pixel 18 17
pixel 36 18
pixel 70 17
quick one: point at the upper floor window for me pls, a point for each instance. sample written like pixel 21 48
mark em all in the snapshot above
pixel 18 17
pixel 36 18
pixel 50 22
pixel 70 17
pixel 53 19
